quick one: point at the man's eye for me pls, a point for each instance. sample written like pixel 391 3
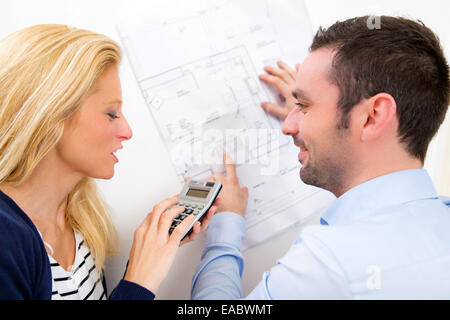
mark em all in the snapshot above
pixel 113 115
pixel 301 106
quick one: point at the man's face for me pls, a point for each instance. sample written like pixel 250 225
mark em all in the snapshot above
pixel 325 150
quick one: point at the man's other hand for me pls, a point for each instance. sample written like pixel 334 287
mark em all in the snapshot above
pixel 283 79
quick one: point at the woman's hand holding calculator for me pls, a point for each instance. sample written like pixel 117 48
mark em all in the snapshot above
pixel 154 250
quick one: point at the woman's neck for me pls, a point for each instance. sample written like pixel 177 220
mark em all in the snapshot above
pixel 43 196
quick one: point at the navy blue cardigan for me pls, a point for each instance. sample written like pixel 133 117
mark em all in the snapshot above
pixel 25 271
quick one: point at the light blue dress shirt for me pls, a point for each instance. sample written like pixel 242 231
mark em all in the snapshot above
pixel 388 238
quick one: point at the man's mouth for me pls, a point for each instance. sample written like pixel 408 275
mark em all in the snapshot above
pixel 302 155
pixel 299 143
pixel 303 148
pixel 303 151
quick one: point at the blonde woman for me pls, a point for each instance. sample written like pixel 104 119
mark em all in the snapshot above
pixel 61 121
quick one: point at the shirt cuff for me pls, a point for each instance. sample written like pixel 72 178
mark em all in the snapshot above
pixel 127 290
pixel 226 227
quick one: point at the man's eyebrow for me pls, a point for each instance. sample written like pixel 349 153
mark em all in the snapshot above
pixel 300 94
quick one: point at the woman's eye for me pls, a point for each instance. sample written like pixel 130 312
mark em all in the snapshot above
pixel 113 115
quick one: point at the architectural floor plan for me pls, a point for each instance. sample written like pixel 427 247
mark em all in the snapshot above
pixel 197 66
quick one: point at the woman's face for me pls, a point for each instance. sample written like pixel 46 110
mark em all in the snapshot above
pixel 97 130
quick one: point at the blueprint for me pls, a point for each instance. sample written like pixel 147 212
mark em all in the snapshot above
pixel 197 65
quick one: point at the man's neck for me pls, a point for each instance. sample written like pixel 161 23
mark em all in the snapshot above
pixel 368 172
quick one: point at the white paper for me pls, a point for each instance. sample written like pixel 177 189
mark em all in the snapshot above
pixel 197 65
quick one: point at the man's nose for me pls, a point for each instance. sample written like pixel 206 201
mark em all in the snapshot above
pixel 290 124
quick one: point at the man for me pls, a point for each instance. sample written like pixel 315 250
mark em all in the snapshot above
pixel 368 101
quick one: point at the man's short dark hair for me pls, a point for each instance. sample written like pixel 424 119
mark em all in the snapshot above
pixel 397 56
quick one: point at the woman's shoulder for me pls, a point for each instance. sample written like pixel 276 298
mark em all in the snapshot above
pixel 13 221
pixel 24 265
pixel 18 234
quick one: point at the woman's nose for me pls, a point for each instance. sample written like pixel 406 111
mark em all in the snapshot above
pixel 125 132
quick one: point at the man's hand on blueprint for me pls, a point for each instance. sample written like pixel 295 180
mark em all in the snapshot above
pixel 233 198
pixel 283 79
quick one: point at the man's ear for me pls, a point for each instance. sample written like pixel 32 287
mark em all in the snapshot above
pixel 379 115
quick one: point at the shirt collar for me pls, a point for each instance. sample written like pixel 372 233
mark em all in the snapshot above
pixel 370 197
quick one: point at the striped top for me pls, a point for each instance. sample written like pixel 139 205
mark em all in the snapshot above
pixel 25 271
pixel 82 281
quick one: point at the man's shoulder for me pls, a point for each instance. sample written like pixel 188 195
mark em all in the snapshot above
pixel 397 235
pixel 392 220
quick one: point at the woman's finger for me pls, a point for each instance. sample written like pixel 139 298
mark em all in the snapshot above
pixel 205 222
pixel 196 229
pixel 167 218
pixel 180 230
pixel 217 202
pixel 200 227
pixel 159 209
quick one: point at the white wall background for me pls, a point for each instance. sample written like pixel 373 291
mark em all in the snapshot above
pixel 144 175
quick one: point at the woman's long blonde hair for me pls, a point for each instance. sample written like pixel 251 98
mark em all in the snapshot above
pixel 45 72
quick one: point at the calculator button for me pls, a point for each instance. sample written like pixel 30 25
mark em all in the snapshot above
pixel 188 211
pixel 181 216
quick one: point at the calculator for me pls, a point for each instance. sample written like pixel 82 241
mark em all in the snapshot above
pixel 196 197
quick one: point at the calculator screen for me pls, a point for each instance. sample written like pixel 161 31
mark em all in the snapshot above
pixel 197 193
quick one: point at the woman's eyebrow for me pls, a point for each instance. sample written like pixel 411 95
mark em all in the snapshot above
pixel 115 101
